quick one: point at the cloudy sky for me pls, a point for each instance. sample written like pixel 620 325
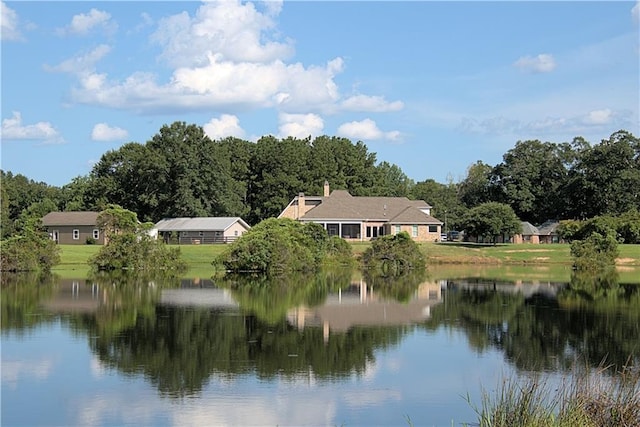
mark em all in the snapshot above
pixel 429 86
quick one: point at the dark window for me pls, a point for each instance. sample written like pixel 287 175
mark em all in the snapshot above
pixel 433 229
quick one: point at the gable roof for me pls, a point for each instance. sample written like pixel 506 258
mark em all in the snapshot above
pixel 341 205
pixel 529 230
pixel 199 224
pixel 70 218
pixel 548 228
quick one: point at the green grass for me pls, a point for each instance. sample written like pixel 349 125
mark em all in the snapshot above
pixel 589 399
pixel 446 260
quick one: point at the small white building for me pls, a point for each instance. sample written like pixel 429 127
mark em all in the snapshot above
pixel 202 230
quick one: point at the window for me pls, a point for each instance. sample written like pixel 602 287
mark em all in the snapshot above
pixel 433 229
pixel 76 234
pixel 96 233
pixel 201 233
pixel 397 229
pixel 235 233
pixel 414 231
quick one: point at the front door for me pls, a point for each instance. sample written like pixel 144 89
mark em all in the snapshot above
pixel 55 235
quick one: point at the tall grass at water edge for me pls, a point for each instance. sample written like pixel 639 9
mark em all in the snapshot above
pixel 585 399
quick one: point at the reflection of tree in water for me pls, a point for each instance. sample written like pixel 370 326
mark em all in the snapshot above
pixel 594 320
pixel 270 298
pixel 179 349
pixel 22 294
pixel 400 287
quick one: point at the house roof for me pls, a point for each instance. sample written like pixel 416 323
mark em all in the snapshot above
pixel 548 228
pixel 341 205
pixel 199 224
pixel 529 230
pixel 70 218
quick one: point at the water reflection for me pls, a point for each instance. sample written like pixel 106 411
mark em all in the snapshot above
pixel 548 326
pixel 181 333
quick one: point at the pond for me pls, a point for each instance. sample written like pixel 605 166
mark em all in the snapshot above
pixel 336 349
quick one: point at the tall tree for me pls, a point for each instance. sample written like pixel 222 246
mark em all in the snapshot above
pixel 475 188
pixel 529 179
pixel 447 207
pixel 606 178
pixel 490 220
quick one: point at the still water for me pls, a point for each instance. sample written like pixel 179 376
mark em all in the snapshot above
pixel 335 349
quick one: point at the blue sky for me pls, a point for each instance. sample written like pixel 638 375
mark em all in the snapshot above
pixel 429 86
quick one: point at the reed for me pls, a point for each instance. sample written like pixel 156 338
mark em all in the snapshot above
pixel 585 399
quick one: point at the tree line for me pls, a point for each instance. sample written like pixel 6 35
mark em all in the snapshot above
pixel 180 172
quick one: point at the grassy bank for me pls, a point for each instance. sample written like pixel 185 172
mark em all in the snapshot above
pixel 446 259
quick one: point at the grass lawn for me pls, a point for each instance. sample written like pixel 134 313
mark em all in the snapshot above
pixel 446 260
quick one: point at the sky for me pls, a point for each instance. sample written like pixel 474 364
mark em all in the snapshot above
pixel 432 87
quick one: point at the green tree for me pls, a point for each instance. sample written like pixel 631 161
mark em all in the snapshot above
pixel 530 179
pixel 475 188
pixel 606 178
pixel 274 246
pixel 130 247
pixel 394 254
pixel 490 220
pixel 30 250
pixel 596 252
pixel 447 207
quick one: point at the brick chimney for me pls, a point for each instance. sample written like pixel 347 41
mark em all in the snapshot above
pixel 301 206
pixel 326 189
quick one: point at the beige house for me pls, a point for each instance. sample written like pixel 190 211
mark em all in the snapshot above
pixel 202 230
pixel 73 228
pixel 364 218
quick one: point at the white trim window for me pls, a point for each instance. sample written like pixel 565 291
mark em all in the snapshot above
pixel 414 230
pixel 96 233
pixel 398 229
pixel 76 234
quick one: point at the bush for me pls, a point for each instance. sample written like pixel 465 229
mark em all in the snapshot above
pixel 277 245
pixel 130 251
pixel 596 252
pixel 394 254
pixel 31 250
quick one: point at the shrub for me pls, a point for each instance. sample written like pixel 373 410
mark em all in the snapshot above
pixel 394 254
pixel 130 251
pixel 277 245
pixel 596 252
pixel 30 250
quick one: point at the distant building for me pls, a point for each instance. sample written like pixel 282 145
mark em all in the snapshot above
pixel 365 218
pixel 73 228
pixel 201 230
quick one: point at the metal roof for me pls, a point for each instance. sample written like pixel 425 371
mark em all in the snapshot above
pixel 199 224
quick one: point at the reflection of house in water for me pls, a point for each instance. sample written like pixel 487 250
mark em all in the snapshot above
pixel 359 306
pixel 198 292
pixel 75 296
pixel 528 289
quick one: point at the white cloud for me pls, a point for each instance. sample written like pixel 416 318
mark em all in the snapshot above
pixel 300 125
pixel 366 103
pixel 235 31
pixel 635 13
pixel 599 117
pixel 82 24
pixel 82 64
pixel 226 125
pixel 15 371
pixel 227 57
pixel 366 129
pixel 12 129
pixel 542 63
pixel 9 21
pixel 104 132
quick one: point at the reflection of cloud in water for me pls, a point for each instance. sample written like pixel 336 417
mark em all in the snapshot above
pixel 12 371
pixel 98 370
pixel 371 397
pixel 313 406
